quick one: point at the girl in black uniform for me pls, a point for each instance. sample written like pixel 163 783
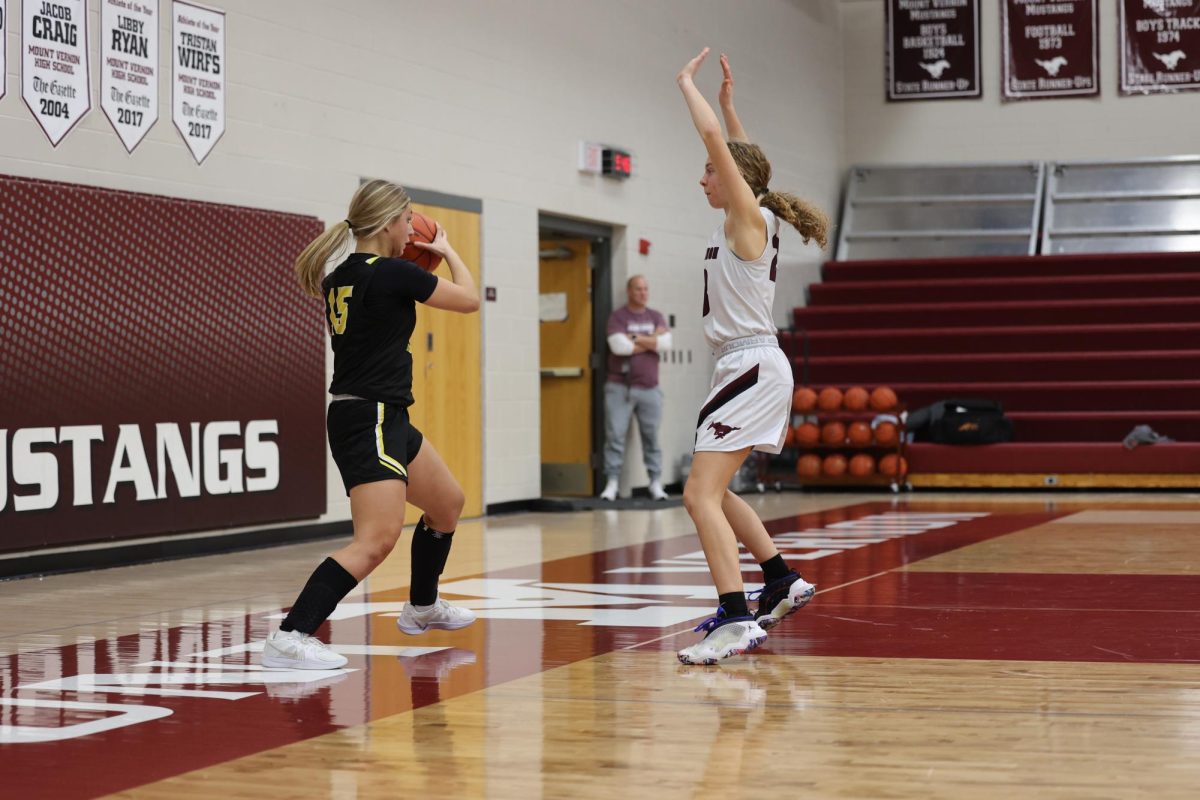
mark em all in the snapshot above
pixel 370 306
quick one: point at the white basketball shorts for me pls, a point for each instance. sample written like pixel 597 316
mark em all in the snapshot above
pixel 750 403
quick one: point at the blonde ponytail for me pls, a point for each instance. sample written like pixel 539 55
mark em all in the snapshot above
pixel 374 206
pixel 802 215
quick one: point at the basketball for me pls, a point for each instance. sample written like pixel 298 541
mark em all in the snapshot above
pixel 830 399
pixel 834 465
pixel 893 466
pixel 808 466
pixel 856 398
pixel 883 399
pixel 804 400
pixel 424 229
pixel 833 433
pixel 859 433
pixel 862 465
pixel 807 434
pixel 885 434
pixel 789 437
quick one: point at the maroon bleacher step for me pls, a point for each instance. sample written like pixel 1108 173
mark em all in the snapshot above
pixel 960 290
pixel 1011 266
pixel 998 339
pixel 1055 458
pixel 1103 426
pixel 1068 396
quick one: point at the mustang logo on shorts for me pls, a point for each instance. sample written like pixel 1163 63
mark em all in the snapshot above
pixel 721 431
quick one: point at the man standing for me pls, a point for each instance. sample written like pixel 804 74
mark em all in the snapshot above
pixel 635 335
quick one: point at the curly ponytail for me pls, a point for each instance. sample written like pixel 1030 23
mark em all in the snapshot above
pixel 810 221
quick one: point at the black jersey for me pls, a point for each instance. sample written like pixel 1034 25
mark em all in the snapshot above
pixel 371 308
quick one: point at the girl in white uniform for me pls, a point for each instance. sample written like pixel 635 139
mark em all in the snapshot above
pixel 748 407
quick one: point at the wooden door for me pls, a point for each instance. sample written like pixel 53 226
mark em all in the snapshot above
pixel 565 288
pixel 447 373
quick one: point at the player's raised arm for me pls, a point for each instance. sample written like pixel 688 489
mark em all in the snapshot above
pixel 733 125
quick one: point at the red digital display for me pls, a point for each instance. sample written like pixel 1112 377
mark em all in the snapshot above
pixel 616 163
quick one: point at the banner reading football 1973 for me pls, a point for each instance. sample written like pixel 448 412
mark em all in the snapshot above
pixel 198 75
pixel 1160 46
pixel 932 49
pixel 129 67
pixel 1049 49
pixel 54 64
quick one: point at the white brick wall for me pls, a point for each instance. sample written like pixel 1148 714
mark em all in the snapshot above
pixel 489 99
pixel 1110 127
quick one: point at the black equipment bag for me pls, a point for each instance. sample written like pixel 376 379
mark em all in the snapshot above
pixel 970 422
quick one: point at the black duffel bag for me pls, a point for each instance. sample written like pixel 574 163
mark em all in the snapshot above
pixel 962 422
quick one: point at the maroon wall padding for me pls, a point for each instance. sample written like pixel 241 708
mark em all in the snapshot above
pixel 1059 458
pixel 968 368
pixel 998 339
pixel 1010 267
pixel 132 309
pixel 1055 312
pixel 996 289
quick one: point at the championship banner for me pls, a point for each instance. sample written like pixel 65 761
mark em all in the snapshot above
pixel 1050 48
pixel 129 67
pixel 198 76
pixel 54 64
pixel 932 49
pixel 1160 46
pixel 161 370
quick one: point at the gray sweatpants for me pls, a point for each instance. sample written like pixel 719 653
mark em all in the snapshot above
pixel 621 402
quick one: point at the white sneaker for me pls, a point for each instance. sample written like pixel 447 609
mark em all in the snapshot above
pixel 725 638
pixel 781 598
pixel 657 492
pixel 295 650
pixel 610 490
pixel 439 615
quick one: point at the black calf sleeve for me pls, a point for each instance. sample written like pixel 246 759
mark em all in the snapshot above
pixel 329 583
pixel 430 549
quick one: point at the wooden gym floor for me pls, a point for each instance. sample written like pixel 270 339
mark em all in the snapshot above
pixel 960 646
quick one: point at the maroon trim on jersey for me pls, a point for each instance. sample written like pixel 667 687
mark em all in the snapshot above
pixel 711 253
pixel 735 387
pixel 706 307
pixel 775 260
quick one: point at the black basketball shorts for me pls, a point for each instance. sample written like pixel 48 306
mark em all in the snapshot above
pixel 371 441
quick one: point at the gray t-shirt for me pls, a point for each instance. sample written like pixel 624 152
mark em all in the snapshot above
pixel 639 369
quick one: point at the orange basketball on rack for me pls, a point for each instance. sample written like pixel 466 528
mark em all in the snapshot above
pixel 807 434
pixel 789 437
pixel 833 433
pixel 834 465
pixel 856 398
pixel 859 434
pixel 885 434
pixel 830 399
pixel 808 465
pixel 883 399
pixel 893 466
pixel 862 465
pixel 804 400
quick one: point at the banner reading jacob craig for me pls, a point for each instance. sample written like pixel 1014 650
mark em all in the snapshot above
pixel 1050 49
pixel 1160 46
pixel 198 75
pixel 932 49
pixel 54 64
pixel 129 67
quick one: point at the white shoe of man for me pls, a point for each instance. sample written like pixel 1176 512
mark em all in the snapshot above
pixel 657 492
pixel 610 490
pixel 415 620
pixel 295 650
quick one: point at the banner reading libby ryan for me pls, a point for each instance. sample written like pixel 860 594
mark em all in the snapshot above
pixel 198 75
pixel 932 49
pixel 129 67
pixel 54 64
pixel 1160 46
pixel 1049 49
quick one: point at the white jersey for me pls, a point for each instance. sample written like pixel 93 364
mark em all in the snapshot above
pixel 739 295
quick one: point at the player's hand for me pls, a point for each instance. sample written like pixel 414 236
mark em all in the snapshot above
pixel 689 70
pixel 439 245
pixel 726 95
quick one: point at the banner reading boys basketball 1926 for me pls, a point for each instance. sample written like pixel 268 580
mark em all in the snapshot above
pixel 1160 46
pixel 1049 49
pixel 198 75
pixel 932 49
pixel 129 67
pixel 54 64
